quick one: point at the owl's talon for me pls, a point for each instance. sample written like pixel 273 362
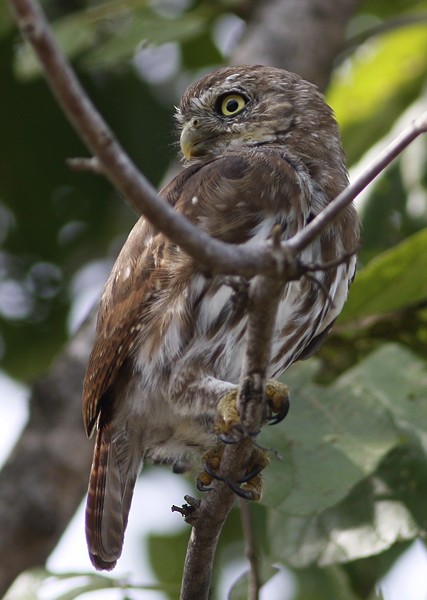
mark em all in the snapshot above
pixel 212 473
pixel 204 480
pixel 254 473
pixel 247 493
pixel 249 486
pixel 277 417
pixel 277 396
pixel 202 487
pixel 228 426
pixel 211 463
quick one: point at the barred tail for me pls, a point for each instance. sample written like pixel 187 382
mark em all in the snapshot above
pixel 109 498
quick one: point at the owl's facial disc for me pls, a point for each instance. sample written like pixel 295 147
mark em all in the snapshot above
pixel 212 125
pixel 232 118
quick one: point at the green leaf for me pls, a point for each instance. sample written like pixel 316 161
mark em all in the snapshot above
pixel 34 583
pixel 6 21
pixel 335 437
pixel 199 51
pixel 332 497
pixel 391 281
pixel 145 28
pixel 373 87
pixel 361 525
pixel 323 584
pixel 239 590
pixel 110 33
pixel 167 554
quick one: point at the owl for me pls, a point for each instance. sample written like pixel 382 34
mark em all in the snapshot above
pixel 262 152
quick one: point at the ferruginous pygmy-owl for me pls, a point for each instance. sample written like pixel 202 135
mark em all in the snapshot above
pixel 262 149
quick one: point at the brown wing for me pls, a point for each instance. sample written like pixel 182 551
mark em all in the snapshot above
pixel 227 198
pixel 127 287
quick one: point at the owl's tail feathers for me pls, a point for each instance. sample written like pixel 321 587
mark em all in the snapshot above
pixel 111 485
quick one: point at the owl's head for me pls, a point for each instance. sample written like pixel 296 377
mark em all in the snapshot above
pixel 255 105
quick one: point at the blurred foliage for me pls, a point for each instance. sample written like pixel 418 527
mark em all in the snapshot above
pixel 348 494
pixel 38 583
pixel 377 83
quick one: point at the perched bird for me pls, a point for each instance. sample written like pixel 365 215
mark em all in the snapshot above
pixel 262 150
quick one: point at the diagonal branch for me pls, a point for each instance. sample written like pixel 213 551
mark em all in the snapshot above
pixel 113 161
pixel 302 239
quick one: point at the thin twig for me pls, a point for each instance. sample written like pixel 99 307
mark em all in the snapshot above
pixel 393 24
pixel 116 164
pixel 254 580
pixel 302 239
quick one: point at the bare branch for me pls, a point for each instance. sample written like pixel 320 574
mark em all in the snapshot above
pixel 302 239
pixel 209 516
pixel 254 581
pixel 116 164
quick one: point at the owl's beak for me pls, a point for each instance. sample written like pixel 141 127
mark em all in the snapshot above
pixel 190 138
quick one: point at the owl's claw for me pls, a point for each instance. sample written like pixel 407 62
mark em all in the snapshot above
pixel 212 460
pixel 246 492
pixel 228 426
pixel 230 430
pixel 277 395
pixel 200 485
pixel 248 487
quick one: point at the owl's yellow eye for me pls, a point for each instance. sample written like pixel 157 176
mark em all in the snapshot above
pixel 232 104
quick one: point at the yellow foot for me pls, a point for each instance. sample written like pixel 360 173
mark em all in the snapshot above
pixel 228 418
pixel 248 487
pixel 228 426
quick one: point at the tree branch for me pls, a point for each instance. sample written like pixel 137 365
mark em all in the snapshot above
pixel 302 239
pixel 209 516
pixel 116 164
pixel 254 580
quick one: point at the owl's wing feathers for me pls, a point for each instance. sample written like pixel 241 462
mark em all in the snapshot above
pixel 229 198
pixel 117 326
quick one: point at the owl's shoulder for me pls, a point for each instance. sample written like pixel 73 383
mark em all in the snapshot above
pixel 240 176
